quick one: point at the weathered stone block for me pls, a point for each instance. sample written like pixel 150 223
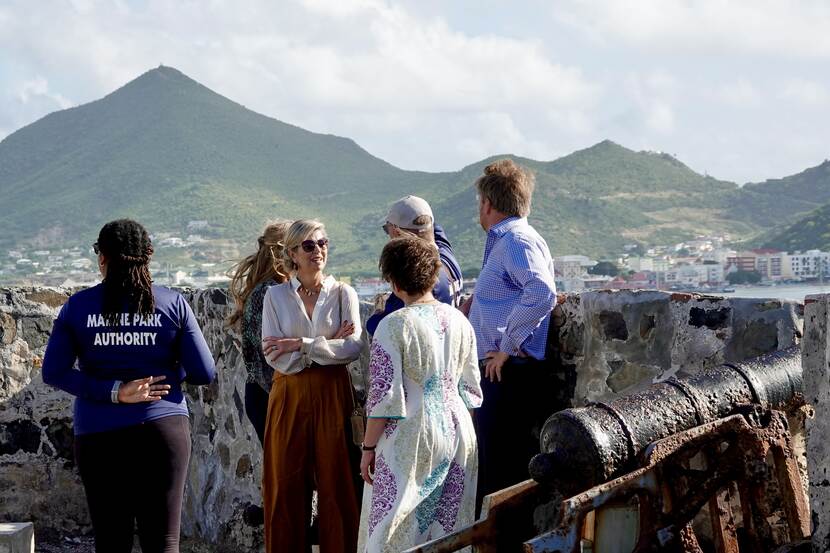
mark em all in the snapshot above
pixel 47 296
pixel 219 297
pixel 815 357
pixel 764 338
pixel 42 489
pixel 35 330
pixel 17 537
pixel 8 329
pixel 19 435
pixel 613 325
pixel 628 376
pixel 230 427
pixel 62 438
pixel 244 468
pixel 762 326
pixel 710 318
pixel 647 325
pixel 224 456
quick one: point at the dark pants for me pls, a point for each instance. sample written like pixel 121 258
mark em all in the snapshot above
pixel 135 476
pixel 509 421
pixel 256 407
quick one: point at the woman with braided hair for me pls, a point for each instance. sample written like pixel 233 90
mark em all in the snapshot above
pixel 135 344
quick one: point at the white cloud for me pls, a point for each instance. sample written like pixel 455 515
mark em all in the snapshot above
pixel 38 88
pixel 404 63
pixel 651 96
pixel 497 133
pixel 23 102
pixel 426 87
pixel 807 93
pixel 339 8
pixel 775 27
pixel 740 94
pixel 375 66
pixel 660 117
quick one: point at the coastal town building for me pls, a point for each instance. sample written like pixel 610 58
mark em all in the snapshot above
pixel 571 271
pixel 641 263
pixel 695 275
pixel 771 265
pixel 201 259
pixel 811 264
pixel 742 261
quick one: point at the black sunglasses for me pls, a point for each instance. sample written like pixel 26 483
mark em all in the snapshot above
pixel 387 228
pixel 309 245
pixel 96 249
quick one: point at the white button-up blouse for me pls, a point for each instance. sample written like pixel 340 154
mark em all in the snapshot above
pixel 284 316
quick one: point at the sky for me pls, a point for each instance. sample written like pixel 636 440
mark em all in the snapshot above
pixel 739 89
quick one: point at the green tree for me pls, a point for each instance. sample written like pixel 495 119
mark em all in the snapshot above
pixel 743 277
pixel 608 268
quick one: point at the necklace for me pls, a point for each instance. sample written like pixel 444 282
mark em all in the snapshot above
pixel 308 292
pixel 424 302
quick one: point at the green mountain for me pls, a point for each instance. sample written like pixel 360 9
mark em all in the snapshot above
pixel 596 200
pixel 166 150
pixel 810 233
pixel 782 201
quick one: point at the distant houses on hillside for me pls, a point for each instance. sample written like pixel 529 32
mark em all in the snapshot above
pixel 703 264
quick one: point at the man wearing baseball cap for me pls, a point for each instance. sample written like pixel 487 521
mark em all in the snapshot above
pixel 412 215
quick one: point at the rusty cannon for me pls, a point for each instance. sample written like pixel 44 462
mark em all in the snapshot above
pixel 647 472
pixel 585 446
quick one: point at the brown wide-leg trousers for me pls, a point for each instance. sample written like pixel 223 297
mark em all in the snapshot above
pixel 306 447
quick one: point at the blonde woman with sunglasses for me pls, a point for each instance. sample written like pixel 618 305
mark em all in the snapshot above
pixel 310 330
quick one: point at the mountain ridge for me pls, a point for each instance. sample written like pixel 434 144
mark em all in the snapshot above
pixel 165 149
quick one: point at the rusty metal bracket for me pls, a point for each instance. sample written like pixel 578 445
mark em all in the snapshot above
pixel 667 510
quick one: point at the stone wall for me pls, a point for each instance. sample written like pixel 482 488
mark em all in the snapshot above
pixel 38 480
pixel 608 342
pixel 816 362
pixel 611 342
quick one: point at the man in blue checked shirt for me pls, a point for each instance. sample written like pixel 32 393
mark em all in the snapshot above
pixel 510 312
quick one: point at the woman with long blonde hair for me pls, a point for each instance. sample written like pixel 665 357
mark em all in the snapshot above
pixel 311 331
pixel 250 280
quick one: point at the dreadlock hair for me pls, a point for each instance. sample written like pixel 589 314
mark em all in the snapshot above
pixel 266 264
pixel 127 248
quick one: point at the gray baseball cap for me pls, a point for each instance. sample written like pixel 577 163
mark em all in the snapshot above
pixel 404 212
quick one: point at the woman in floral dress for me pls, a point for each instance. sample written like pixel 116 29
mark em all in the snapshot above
pixel 420 455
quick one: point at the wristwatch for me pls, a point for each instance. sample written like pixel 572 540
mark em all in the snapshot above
pixel 365 447
pixel 114 392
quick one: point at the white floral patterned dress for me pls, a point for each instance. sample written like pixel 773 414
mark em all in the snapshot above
pixel 424 377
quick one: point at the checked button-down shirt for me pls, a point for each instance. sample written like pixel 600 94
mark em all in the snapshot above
pixel 515 291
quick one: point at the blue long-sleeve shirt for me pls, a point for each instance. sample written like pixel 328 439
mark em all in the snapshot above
pixel 168 343
pixel 515 291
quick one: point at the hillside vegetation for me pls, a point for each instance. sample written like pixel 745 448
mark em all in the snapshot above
pixel 167 150
pixel 810 233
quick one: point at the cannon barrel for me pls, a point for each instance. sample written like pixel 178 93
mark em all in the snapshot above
pixel 585 446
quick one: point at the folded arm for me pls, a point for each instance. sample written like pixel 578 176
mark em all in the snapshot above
pixel 331 351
